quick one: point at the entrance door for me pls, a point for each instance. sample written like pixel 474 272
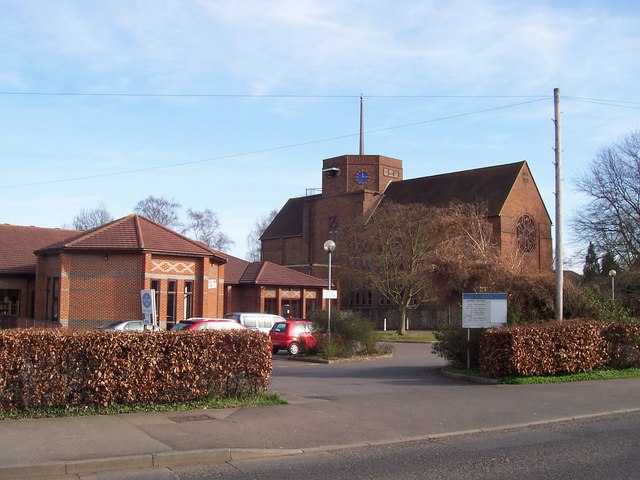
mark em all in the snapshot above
pixel 290 308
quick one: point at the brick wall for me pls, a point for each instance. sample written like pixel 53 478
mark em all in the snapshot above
pixel 96 288
pixel 524 199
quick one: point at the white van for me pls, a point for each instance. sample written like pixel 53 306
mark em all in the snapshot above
pixel 255 321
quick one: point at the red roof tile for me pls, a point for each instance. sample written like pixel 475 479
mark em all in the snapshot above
pixel 17 244
pixel 239 271
pixel 135 233
pixel 233 270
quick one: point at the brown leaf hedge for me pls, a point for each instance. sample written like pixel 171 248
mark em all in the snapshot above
pixel 559 348
pixel 60 368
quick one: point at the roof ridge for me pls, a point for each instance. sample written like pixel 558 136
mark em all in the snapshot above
pixel 196 243
pixel 260 270
pixel 139 236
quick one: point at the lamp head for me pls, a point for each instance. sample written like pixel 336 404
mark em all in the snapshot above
pixel 612 273
pixel 329 246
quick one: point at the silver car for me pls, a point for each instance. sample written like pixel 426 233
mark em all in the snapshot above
pixel 127 326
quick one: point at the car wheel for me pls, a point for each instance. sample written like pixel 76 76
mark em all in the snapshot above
pixel 274 350
pixel 294 348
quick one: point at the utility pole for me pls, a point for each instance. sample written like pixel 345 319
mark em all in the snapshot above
pixel 558 164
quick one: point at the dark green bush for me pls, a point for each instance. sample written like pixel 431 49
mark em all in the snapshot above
pixel 452 345
pixel 350 334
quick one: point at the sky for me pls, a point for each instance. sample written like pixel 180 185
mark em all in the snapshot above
pixel 232 106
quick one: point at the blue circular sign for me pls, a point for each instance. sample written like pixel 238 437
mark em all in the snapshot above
pixel 146 299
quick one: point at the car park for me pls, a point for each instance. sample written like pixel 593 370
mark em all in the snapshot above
pixel 128 326
pixel 262 322
pixel 207 324
pixel 293 335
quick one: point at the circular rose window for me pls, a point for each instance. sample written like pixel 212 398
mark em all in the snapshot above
pixel 526 234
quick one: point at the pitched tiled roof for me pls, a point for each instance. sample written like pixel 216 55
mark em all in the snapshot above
pixel 134 233
pixel 233 270
pixel 239 271
pixel 17 244
pixel 288 221
pixel 490 185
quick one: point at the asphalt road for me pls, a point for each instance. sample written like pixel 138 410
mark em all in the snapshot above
pixel 419 424
pixel 606 448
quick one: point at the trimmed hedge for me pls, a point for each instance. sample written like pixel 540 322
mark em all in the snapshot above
pixel 559 348
pixel 59 368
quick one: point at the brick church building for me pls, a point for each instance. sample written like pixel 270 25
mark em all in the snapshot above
pixel 354 185
pixel 55 277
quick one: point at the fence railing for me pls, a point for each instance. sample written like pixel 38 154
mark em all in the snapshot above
pixel 9 321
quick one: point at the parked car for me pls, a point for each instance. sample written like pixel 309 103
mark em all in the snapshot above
pixel 207 324
pixel 128 326
pixel 262 322
pixel 293 335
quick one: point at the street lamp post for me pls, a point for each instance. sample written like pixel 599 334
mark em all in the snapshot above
pixel 329 246
pixel 612 274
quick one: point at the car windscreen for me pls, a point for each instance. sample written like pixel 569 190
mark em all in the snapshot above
pixel 181 326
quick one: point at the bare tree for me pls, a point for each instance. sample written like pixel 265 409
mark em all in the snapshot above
pixel 611 219
pixel 205 227
pixel 160 210
pixel 88 219
pixel 395 253
pixel 254 246
pixel 468 257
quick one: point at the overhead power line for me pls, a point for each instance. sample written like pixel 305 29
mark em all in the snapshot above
pixel 247 95
pixel 611 103
pixel 272 149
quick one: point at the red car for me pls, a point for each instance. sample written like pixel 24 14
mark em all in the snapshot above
pixel 208 324
pixel 293 335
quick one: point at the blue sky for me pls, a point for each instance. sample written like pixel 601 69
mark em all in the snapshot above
pixel 232 106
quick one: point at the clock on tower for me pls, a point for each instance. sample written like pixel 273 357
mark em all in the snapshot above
pixel 362 177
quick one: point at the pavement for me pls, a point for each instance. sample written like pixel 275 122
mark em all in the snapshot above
pixel 381 401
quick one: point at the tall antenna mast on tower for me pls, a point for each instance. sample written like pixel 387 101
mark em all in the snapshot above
pixel 361 126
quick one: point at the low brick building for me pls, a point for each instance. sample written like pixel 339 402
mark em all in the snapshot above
pixel 18 265
pixel 270 288
pixel 51 277
pixel 95 277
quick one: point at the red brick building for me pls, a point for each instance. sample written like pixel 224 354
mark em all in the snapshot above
pixel 86 279
pixel 95 277
pixel 18 265
pixel 270 288
pixel 354 185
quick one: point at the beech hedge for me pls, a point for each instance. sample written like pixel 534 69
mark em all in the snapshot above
pixel 559 348
pixel 57 368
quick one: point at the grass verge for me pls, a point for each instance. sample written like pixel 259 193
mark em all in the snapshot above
pixel 412 336
pixel 262 399
pixel 575 377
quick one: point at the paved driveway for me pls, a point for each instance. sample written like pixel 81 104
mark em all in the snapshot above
pixel 413 366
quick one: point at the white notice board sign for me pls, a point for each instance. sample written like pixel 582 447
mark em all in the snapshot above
pixel 484 310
